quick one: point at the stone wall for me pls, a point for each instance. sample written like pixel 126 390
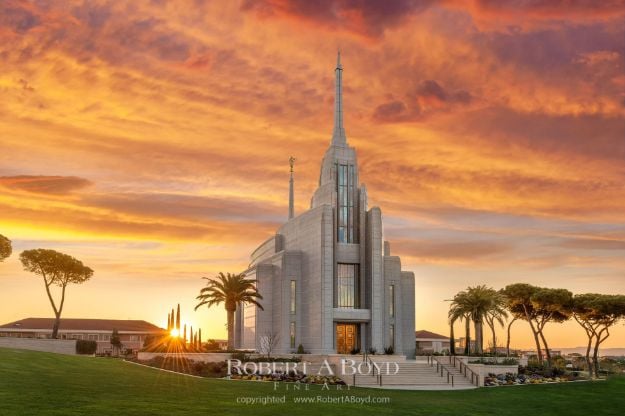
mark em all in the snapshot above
pixel 209 357
pixel 59 346
pixel 482 370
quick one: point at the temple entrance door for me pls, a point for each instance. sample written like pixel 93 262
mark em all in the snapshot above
pixel 346 338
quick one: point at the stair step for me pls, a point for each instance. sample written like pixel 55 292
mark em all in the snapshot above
pixel 412 374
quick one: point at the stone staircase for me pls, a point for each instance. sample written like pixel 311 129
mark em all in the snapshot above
pixel 416 375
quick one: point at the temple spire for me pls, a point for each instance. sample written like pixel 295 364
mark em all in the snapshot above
pixel 291 198
pixel 338 136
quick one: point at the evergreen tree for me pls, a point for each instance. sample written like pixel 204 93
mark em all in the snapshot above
pixel 116 341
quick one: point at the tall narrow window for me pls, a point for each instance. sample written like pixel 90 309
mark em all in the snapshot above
pixel 293 292
pixel 345 211
pixel 292 334
pixel 347 286
pixel 391 303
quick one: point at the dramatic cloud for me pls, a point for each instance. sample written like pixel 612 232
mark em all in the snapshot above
pixel 427 97
pixel 548 9
pixel 594 244
pixel 433 251
pixel 366 17
pixel 44 184
pixel 489 132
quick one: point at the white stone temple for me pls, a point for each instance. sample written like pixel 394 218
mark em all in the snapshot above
pixel 327 276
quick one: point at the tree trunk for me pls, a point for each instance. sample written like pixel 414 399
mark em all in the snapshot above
pixel 588 363
pixel 595 355
pixel 508 340
pixel 467 337
pixel 595 359
pixel 547 352
pixel 230 313
pixel 538 349
pixel 492 328
pixel 478 338
pixel 55 328
pixel 452 339
pixel 535 333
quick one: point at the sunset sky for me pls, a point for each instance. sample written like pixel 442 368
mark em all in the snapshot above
pixel 150 139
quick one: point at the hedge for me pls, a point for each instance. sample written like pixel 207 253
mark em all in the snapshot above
pixel 86 347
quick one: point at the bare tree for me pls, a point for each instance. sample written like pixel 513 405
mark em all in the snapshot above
pixel 268 342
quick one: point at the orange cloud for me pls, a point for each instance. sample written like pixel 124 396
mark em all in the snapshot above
pixel 45 184
pixel 490 134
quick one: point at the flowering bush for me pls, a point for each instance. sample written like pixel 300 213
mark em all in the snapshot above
pixel 290 377
pixel 505 361
pixel 509 379
pixel 186 366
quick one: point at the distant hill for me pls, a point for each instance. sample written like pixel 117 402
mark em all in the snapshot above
pixel 602 351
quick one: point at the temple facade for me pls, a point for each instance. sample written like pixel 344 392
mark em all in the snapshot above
pixel 328 279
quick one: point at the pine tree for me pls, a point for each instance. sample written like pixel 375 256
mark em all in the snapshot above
pixel 185 333
pixel 168 323
pixel 178 319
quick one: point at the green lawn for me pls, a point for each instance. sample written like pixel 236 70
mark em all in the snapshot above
pixel 34 383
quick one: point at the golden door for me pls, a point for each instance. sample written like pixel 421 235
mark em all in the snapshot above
pixel 346 335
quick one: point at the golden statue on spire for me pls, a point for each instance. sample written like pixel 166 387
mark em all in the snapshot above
pixel 291 162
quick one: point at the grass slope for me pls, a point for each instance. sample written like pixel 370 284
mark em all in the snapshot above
pixel 49 384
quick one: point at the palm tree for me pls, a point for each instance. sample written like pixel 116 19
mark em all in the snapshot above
pixel 459 310
pixel 452 338
pixel 496 314
pixel 231 290
pixel 473 305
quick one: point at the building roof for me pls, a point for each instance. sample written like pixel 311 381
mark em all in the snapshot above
pixel 84 324
pixel 427 334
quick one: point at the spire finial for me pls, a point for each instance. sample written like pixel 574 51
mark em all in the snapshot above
pixel 291 197
pixel 338 136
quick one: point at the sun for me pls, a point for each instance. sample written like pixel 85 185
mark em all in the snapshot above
pixel 174 333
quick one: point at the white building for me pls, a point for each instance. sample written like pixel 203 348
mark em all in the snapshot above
pixel 132 333
pixel 327 276
pixel 429 342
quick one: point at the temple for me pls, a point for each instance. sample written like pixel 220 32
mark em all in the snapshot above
pixel 328 279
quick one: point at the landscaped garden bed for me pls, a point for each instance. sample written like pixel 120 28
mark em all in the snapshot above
pixel 533 375
pixel 220 370
pixel 291 377
pixel 186 366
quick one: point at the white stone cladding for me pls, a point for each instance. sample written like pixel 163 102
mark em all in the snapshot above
pixel 307 250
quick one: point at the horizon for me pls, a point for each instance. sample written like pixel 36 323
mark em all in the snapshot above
pixel 153 144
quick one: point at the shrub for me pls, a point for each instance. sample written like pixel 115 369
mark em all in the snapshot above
pixel 242 356
pixel 389 350
pixel 355 351
pixel 212 345
pixel 372 351
pixel 300 349
pixel 86 347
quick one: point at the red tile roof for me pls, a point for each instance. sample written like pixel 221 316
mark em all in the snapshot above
pixel 85 324
pixel 428 334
